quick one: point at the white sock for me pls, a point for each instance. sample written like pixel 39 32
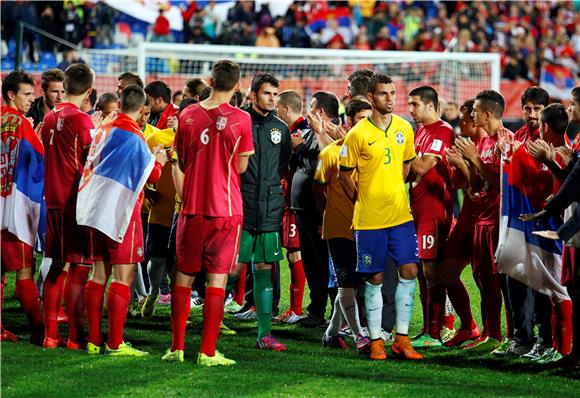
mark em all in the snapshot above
pixel 44 268
pixel 155 271
pixel 139 283
pixel 404 300
pixel 335 321
pixel 374 309
pixel 348 305
pixel 448 306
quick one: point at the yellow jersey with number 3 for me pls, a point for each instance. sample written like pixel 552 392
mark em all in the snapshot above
pixel 378 157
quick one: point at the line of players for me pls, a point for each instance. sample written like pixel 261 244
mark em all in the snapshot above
pixel 350 188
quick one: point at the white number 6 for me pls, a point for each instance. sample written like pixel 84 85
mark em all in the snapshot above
pixel 204 137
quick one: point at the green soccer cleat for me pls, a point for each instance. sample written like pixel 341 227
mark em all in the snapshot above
pixel 173 356
pixel 226 331
pixel 125 350
pixel 426 341
pixel 148 309
pixel 551 357
pixel 504 347
pixel 217 360
pixel 93 349
pixel 447 334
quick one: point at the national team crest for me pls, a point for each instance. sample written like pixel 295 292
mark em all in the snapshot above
pixel 367 260
pixel 59 123
pixel 275 136
pixel 221 122
pixel 400 138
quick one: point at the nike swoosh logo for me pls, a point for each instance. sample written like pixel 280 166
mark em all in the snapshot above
pixel 371 143
pixel 276 253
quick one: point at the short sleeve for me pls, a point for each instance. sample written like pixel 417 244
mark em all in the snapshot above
pixel 437 145
pixel 409 144
pixel 85 131
pixel 152 140
pixel 246 146
pixel 350 151
pixel 324 166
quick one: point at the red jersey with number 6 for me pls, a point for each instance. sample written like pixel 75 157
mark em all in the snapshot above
pixel 208 143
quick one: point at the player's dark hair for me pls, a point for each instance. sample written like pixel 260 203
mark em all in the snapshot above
pixel 175 94
pixel 491 101
pixel 555 116
pixel 105 99
pixel 427 94
pixel 576 93
pixel 204 94
pixel 536 95
pixel 328 102
pixel 467 106
pixel 262 78
pixel 195 85
pixel 13 80
pixel 360 72
pixel 78 78
pixel 132 98
pixel 187 102
pixel 225 75
pixel 93 97
pixel 131 78
pixel 49 76
pixel 291 99
pixel 237 99
pixel 356 105
pixel 376 79
pixel 159 89
pixel 359 86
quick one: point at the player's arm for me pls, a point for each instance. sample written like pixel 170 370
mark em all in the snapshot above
pixel 422 164
pixel 319 192
pixel 349 155
pixel 545 153
pixel 487 171
pixel 568 193
pixel 321 179
pixel 347 183
pixel 178 177
pixel 243 161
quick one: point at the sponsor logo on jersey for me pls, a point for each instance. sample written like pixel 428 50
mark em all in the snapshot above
pixel 275 136
pixel 221 122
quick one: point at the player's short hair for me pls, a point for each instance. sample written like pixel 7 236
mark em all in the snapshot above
pixel 78 78
pixel 555 116
pixel 467 106
pixel 13 80
pixel 175 94
pixel 291 99
pixel 359 85
pixel 225 75
pixel 491 101
pixel 427 94
pixel 159 89
pixel 107 98
pixel 360 72
pixel 328 102
pixel 376 79
pixel 204 94
pixel 186 102
pixel 132 98
pixel 537 95
pixel 131 78
pixel 49 76
pixel 93 97
pixel 195 85
pixel 576 93
pixel 262 78
pixel 237 99
pixel 356 105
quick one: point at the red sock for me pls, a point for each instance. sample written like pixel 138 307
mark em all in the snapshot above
pixel 73 300
pixel 424 296
pixel 27 294
pixel 180 305
pixel 297 283
pixel 492 300
pixel 241 286
pixel 213 313
pixel 460 300
pixel 563 333
pixel 94 297
pixel 52 297
pixel 117 304
pixel 436 304
pixel 554 325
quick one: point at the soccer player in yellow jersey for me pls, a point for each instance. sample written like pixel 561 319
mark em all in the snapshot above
pixel 381 148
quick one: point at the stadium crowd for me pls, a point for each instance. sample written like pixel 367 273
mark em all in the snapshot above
pixel 525 33
pixel 133 186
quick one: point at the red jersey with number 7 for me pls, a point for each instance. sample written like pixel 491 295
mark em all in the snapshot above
pixel 208 144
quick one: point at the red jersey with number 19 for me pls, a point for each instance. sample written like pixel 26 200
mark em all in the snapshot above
pixel 208 143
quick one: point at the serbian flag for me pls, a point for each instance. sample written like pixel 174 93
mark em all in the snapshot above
pixel 115 173
pixel 22 177
pixel 317 20
pixel 557 80
pixel 528 258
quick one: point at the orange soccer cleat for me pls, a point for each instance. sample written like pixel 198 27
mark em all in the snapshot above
pixel 378 350
pixel 403 348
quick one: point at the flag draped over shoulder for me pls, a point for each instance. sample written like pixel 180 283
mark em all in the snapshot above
pixel 530 259
pixel 22 177
pixel 116 171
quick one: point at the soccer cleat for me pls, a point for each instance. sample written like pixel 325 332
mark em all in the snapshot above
pixel 387 336
pixel 8 336
pixel 426 341
pixel 270 343
pixel 504 347
pixel 363 344
pixel 125 350
pixel 403 348
pixel 519 350
pixel 148 309
pixel 537 352
pixel 421 334
pixel 294 318
pixel 247 316
pixel 312 321
pixel 334 342
pixel 282 317
pixel 462 336
pixel 164 299
pixel 196 301
pixel 93 349
pixel 377 350
pixel 74 346
pixel 134 309
pixel 345 331
pixel 230 308
pixel 485 345
pixel 447 334
pixel 173 356
pixel 551 357
pixel 217 360
pixel 226 331
pixel 50 343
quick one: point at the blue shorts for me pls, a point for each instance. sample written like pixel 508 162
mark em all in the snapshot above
pixel 342 254
pixel 374 247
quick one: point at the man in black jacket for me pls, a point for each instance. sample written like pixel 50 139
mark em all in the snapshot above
pixel 263 202
pixel 52 90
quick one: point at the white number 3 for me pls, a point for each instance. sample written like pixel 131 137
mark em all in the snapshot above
pixel 204 137
pixel 292 232
pixel 428 241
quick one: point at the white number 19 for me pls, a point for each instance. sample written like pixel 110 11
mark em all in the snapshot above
pixel 428 241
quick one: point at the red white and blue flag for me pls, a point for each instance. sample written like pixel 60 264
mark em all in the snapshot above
pixel 528 258
pixel 557 80
pixel 116 171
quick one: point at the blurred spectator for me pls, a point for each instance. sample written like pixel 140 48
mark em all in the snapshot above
pixel 198 35
pixel 161 29
pixel 48 23
pixel 267 38
pixel 71 56
pixel 71 23
pixel 451 114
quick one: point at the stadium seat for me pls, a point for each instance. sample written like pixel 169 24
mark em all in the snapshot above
pixel 7 64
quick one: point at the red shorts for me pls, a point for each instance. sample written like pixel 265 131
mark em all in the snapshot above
pixel 459 244
pixel 290 237
pixel 129 251
pixel 570 259
pixel 207 243
pixel 431 236
pixel 15 254
pixel 65 239
pixel 485 241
